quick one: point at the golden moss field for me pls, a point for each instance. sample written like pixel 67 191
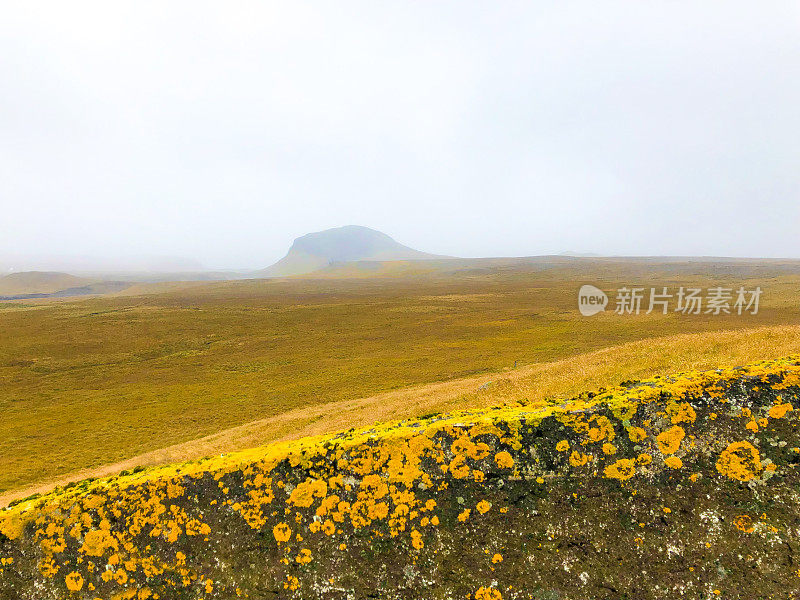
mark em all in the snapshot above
pixel 206 368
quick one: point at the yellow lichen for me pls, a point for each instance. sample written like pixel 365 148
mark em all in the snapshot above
pixel 744 523
pixel 636 434
pixel 504 460
pixel 488 593
pixel 282 532
pixel 74 581
pixel 623 469
pixel 578 459
pixel 670 440
pixel 779 410
pixel 740 460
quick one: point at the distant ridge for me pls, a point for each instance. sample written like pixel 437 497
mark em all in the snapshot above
pixel 315 251
pixel 39 282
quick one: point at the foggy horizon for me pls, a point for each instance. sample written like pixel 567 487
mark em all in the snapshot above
pixel 214 136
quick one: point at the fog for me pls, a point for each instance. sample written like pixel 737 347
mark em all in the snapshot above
pixel 215 133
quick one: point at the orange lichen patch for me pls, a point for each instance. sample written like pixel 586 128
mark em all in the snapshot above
pixel 483 507
pixel 195 527
pixel 562 446
pixel 744 523
pixel 644 459
pixel 740 460
pixel 488 593
pixel 673 462
pixel 602 430
pixel 504 460
pixel 497 558
pixel 636 434
pixel 282 532
pixel 303 557
pixel 623 469
pixel 609 449
pixel 98 541
pixel 416 539
pixel 681 412
pixel 305 493
pixel 459 468
pixel 74 581
pixel 779 410
pixel 578 459
pixel 670 440
pixel 464 515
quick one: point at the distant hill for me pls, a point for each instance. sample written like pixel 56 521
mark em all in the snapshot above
pixel 350 243
pixel 39 282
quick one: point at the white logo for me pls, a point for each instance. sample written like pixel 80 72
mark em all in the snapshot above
pixel 591 300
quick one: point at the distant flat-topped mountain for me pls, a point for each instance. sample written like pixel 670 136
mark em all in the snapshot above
pixel 351 243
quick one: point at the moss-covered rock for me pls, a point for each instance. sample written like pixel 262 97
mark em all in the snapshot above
pixel 681 487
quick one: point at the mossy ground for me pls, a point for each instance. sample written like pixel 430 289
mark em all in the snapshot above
pixel 679 487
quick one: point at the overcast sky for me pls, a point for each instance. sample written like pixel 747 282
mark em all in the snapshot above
pixel 221 131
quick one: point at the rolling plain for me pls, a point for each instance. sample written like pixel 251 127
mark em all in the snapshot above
pixel 180 371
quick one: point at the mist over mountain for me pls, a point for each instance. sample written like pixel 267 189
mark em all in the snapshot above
pixel 350 243
pixel 98 265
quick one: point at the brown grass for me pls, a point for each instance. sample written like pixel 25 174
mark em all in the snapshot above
pixel 537 382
